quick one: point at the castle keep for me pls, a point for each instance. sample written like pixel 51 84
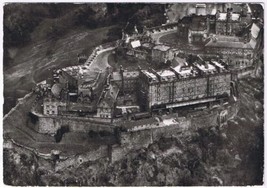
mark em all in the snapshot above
pixel 148 77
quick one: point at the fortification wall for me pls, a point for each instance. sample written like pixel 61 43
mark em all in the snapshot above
pixel 140 139
pixel 50 124
pixel 19 114
pixel 169 131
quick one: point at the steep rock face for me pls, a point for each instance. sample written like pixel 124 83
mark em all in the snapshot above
pixel 228 155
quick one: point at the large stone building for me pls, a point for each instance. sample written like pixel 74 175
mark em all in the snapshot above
pixel 126 80
pixel 107 102
pixel 82 83
pixel 195 28
pixel 184 85
pixel 238 52
pixel 233 20
pixel 228 23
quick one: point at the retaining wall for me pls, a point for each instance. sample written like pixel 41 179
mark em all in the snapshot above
pixel 50 125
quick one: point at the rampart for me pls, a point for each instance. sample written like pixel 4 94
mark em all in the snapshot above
pixel 19 114
pixel 50 124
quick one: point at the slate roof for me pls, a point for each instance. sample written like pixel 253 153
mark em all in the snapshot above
pixel 253 43
pixel 110 95
pixel 255 30
pixel 228 44
pixel 56 89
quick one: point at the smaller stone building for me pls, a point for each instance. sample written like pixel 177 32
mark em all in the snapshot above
pixel 228 23
pixel 199 29
pixel 162 53
pixel 107 102
pixel 237 53
pixel 52 106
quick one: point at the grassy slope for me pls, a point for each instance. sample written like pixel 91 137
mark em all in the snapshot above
pixel 32 62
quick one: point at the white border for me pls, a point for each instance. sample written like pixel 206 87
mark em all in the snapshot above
pixel 117 1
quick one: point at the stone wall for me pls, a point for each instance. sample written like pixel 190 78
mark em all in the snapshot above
pixel 169 131
pixel 50 124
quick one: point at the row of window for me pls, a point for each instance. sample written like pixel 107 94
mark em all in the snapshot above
pixel 192 92
pixel 50 112
pixel 104 116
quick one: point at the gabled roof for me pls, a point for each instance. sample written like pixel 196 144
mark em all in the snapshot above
pixel 56 89
pixel 253 43
pixel 179 61
pixel 255 30
pixel 109 95
pixel 227 38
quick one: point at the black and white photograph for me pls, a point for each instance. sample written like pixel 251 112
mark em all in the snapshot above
pixel 133 94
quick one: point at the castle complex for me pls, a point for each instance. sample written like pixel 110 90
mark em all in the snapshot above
pixel 174 77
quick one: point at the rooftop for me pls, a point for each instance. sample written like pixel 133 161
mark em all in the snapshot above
pixel 136 44
pixel 148 45
pixel 228 44
pixel 184 70
pixel 109 94
pixel 207 67
pixel 162 48
pixel 126 74
pixel 83 73
pixel 254 30
pixel 223 16
pixel 56 89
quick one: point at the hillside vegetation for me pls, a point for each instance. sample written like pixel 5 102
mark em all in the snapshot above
pixel 43 36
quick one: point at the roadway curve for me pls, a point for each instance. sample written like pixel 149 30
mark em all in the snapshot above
pixel 156 36
pixel 101 61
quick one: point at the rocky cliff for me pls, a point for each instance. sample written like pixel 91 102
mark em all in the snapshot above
pixel 228 155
